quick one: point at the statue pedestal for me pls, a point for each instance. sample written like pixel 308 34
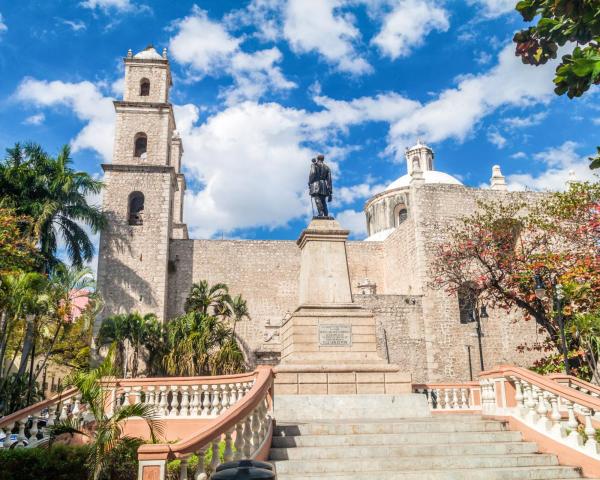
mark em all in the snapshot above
pixel 329 344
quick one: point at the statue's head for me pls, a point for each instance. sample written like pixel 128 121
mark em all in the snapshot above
pixel 320 157
pixel 313 160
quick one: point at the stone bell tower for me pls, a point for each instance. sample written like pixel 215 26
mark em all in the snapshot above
pixel 143 195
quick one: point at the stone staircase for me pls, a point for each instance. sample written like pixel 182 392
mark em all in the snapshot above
pixel 444 447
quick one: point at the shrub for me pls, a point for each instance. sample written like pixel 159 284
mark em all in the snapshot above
pixel 57 463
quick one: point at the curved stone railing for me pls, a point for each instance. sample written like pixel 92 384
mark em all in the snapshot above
pixel 182 397
pixel 559 412
pixel 444 397
pixel 245 428
pixel 30 427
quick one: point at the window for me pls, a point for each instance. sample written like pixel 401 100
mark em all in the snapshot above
pixel 136 208
pixel 467 301
pixel 141 144
pixel 144 87
pixel 402 215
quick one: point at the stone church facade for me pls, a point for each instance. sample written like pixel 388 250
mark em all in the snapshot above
pixel 147 262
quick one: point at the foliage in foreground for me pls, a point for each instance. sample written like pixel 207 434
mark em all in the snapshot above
pixel 497 251
pixel 60 462
pixel 559 22
pixel 109 448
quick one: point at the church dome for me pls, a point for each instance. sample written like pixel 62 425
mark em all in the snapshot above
pixel 148 54
pixel 430 176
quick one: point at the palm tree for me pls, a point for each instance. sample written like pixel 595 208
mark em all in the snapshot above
pixel 113 331
pixel 105 431
pixel 53 194
pixel 205 299
pixel 131 329
pixel 239 307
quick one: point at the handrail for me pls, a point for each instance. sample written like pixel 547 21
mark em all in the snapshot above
pixel 209 380
pixel 546 383
pixel 37 407
pixel 576 383
pixel 446 396
pixel 249 418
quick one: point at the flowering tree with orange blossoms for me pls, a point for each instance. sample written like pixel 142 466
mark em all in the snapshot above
pixel 499 250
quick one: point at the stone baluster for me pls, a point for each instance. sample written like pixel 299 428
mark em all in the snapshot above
pixel 200 473
pixel 215 461
pixel 150 397
pixel 429 396
pixel 239 441
pixel 255 426
pixel 455 404
pixel 196 405
pixel 228 452
pixel 21 438
pixel 247 437
pixel 183 468
pixel 205 401
pixel 215 404
pixel 137 394
pixel 591 445
pixel 519 397
pixel 64 411
pixel 34 430
pixel 9 430
pixel 185 402
pixel 530 404
pixel 438 398
pixel 76 407
pixel 127 392
pixel 233 387
pixel 163 404
pixel 573 436
pixel 555 416
pixel 542 409
pixel 174 412
pixel 224 397
pixel 447 398
pixel 464 403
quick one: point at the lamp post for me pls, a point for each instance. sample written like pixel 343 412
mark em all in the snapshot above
pixel 476 315
pixel 558 297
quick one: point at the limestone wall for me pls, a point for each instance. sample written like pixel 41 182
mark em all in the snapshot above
pixel 435 208
pixel 155 71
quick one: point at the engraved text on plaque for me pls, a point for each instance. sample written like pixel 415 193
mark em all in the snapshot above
pixel 335 335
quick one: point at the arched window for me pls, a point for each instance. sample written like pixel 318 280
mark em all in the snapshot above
pixel 467 302
pixel 136 208
pixel 400 214
pixel 141 144
pixel 144 87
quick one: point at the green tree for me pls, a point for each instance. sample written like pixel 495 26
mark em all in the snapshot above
pixel 205 298
pixel 17 247
pixel 54 195
pixel 107 440
pixel 560 22
pixel 129 330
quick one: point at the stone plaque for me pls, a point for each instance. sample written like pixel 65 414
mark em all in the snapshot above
pixel 335 335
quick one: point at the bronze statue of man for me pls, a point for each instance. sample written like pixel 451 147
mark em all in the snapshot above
pixel 319 185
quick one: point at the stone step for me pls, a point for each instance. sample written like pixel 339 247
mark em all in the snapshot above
pixel 387 427
pixel 395 439
pixel 410 464
pixel 507 473
pixel 311 453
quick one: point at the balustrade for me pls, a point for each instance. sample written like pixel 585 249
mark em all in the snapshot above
pixel 450 397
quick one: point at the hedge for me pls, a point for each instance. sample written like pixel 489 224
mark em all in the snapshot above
pixel 57 463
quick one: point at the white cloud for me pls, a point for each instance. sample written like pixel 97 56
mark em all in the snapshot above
pixel 483 58
pixel 75 25
pixel 3 26
pixel 518 155
pixel 496 138
pixel 86 101
pixel 36 119
pixel 558 163
pixel 264 15
pixel 494 8
pixel 455 112
pixel 319 26
pixel 523 122
pixel 596 121
pixel 347 195
pixel 115 5
pixel 407 25
pixel 208 49
pixel 353 221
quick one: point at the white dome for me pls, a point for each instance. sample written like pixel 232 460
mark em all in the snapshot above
pixel 149 54
pixel 380 236
pixel 430 176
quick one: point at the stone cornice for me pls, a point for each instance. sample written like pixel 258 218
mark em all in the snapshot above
pixel 113 167
pixel 153 105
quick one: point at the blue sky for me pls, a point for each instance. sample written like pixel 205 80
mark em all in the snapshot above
pixel 261 86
